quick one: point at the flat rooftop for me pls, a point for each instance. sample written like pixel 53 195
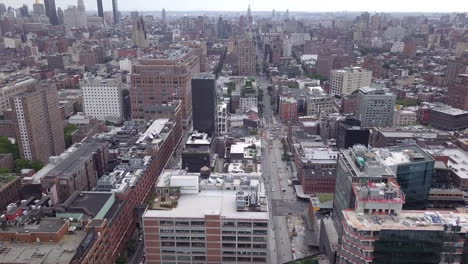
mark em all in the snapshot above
pixel 458 160
pixel 449 110
pixel 152 133
pixel 406 220
pixel 74 160
pixel 204 75
pixel 45 225
pixel 43 252
pixel 397 155
pixel 207 203
pixel 90 202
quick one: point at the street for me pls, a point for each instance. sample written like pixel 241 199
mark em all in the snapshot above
pixel 276 173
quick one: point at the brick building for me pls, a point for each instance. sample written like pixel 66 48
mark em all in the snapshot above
pixel 213 220
pixel 156 81
pixel 288 108
pixel 457 95
pixel 37 123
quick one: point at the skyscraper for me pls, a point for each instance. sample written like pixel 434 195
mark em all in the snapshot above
pixel 249 16
pixel 139 33
pixel 100 8
pixel 51 11
pixel 37 123
pixel 2 9
pixel 204 103
pixel 246 56
pixel 38 9
pixel 163 15
pixel 60 16
pixel 222 32
pixel 115 11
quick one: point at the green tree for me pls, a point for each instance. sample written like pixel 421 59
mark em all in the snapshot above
pixel 121 260
pixel 293 85
pixel 68 131
pixel 7 147
pixel 37 165
pixel 131 246
pixel 22 164
pixel 4 170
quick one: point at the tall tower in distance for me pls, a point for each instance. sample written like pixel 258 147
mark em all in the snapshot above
pixel 115 11
pixel 51 11
pixel 163 16
pixel 139 33
pixel 38 9
pixel 100 8
pixel 249 16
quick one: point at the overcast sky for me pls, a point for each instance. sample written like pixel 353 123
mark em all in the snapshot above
pixel 268 5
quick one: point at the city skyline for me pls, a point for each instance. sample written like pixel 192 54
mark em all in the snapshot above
pixel 431 6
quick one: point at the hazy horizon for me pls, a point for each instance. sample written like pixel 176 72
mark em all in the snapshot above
pixel 403 6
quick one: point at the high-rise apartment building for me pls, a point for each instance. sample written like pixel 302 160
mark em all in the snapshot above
pixel 375 107
pixel 246 55
pixel 12 88
pixel 51 11
pixel 455 67
pixel 458 92
pixel 205 220
pixel 204 103
pixel 38 123
pixel 348 80
pixel 139 33
pixel 100 8
pixel 162 80
pixel 115 11
pixel 102 98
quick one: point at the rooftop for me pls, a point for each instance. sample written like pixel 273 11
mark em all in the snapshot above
pixel 152 133
pixel 69 161
pixel 44 225
pixel 407 220
pixel 458 159
pixel 397 155
pixel 449 110
pixel 43 252
pixel 364 162
pixel 197 138
pixel 90 203
pixel 204 75
pixel 207 203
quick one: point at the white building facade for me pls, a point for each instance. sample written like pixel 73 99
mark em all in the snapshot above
pixel 102 98
pixel 348 80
